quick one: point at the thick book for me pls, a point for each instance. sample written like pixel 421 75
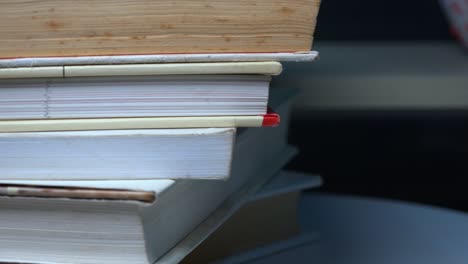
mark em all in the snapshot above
pixel 180 90
pixel 268 216
pixel 80 27
pixel 117 154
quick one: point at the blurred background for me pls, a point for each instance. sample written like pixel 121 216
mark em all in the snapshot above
pixel 384 112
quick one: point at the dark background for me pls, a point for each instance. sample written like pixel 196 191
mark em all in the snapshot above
pixel 384 20
pixel 406 155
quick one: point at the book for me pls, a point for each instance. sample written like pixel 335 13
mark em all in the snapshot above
pixel 268 216
pixel 279 252
pixel 172 90
pixel 79 28
pixel 117 154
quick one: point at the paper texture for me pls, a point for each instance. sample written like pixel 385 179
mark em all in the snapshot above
pixel 117 154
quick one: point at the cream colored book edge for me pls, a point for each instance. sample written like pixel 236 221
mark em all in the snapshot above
pixel 159 58
pixel 52 28
pixel 30 72
pixel 136 123
pixel 263 68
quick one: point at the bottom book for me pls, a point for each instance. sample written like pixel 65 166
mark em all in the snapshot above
pixel 270 215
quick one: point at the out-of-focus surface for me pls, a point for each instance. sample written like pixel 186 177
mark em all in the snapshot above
pixel 372 20
pixel 367 231
pixel 384 112
pixel 457 14
pixel 381 76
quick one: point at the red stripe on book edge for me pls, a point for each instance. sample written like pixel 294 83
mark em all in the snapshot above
pixel 271 119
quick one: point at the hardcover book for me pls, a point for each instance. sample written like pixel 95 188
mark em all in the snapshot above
pixel 106 27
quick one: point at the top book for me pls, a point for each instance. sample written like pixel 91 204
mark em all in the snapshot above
pixel 49 28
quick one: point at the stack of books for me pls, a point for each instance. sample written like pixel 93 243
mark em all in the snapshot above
pixel 114 158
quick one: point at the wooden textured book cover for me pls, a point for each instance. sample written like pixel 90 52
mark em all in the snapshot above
pixel 43 28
